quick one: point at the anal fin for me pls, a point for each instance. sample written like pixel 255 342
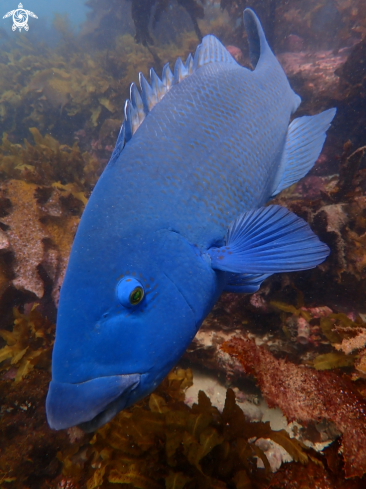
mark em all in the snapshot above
pixel 244 283
pixel 304 142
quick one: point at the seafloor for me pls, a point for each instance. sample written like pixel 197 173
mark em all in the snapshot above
pixel 272 391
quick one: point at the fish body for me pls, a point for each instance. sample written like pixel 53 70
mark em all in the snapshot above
pixel 175 219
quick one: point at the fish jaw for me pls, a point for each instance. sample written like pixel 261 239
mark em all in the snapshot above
pixel 98 399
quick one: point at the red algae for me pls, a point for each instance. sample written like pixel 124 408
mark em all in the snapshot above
pixel 307 395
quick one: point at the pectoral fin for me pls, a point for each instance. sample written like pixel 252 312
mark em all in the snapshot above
pixel 268 240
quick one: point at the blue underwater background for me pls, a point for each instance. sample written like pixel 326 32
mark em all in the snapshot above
pixel 271 393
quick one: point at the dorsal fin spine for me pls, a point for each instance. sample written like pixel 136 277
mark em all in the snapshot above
pixel 196 57
pixel 153 97
pixel 128 121
pixel 146 93
pixel 139 105
pixel 167 77
pixel 189 64
pixel 136 101
pixel 180 71
pixel 157 85
pixel 135 120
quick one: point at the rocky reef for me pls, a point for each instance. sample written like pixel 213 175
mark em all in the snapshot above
pixel 277 398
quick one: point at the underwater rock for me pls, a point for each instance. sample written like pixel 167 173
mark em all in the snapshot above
pixel 307 395
pixel 294 43
pixel 313 475
pixel 28 450
pixel 303 331
pixel 4 241
pixel 39 225
pixel 337 216
pixel 41 200
pixel 312 186
pixel 313 74
pixel 352 92
pixel 275 454
pixel 356 342
pixel 360 367
pixel 236 53
pixel 25 234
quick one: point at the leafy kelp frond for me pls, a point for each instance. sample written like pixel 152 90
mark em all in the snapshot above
pixel 162 443
pixel 327 361
pixel 47 162
pixel 27 345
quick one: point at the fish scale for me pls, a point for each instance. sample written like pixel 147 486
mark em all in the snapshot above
pixel 218 149
pixel 176 218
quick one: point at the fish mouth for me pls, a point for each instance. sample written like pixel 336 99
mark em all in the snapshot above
pixel 89 404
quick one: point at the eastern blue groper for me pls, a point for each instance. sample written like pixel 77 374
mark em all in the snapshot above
pixel 177 217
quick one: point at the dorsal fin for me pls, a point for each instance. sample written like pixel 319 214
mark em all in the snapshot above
pixel 211 51
pixel 256 39
pixel 138 106
pixel 261 55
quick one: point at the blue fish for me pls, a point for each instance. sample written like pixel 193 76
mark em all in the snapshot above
pixel 176 218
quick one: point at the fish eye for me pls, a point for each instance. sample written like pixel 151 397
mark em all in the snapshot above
pixel 130 291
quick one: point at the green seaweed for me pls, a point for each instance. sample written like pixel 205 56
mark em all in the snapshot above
pixel 328 361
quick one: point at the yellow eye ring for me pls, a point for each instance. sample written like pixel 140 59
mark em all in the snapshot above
pixel 136 296
pixel 130 291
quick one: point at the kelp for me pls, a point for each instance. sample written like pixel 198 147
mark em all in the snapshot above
pixel 79 94
pixel 64 92
pixel 28 345
pixel 162 443
pixel 332 360
pixel 47 162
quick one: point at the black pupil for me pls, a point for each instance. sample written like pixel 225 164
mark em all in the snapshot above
pixel 136 295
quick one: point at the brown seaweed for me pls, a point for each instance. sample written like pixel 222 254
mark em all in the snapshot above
pixel 76 93
pixel 28 344
pixel 161 442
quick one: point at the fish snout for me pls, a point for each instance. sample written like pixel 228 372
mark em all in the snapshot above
pixel 89 404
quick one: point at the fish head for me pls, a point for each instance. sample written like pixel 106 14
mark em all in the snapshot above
pixel 123 325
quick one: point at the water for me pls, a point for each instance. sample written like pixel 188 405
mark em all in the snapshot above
pixel 300 360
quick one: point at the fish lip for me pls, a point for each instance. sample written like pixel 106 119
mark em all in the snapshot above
pixel 83 404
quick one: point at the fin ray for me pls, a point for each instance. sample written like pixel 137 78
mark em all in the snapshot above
pixel 286 244
pixel 245 283
pixel 211 50
pixel 305 139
